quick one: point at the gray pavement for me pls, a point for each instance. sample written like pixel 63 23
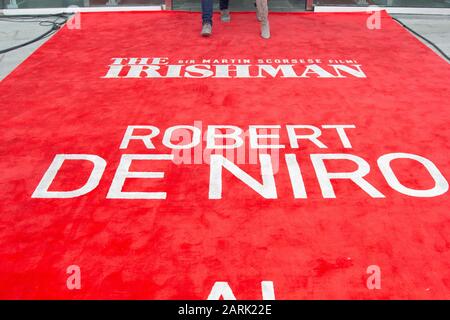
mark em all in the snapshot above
pixel 434 27
pixel 15 33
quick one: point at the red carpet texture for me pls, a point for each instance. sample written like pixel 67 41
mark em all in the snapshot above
pixel 140 160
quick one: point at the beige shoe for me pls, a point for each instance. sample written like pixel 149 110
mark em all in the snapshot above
pixel 265 29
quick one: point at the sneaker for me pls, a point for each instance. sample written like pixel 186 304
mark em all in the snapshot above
pixel 225 15
pixel 206 29
pixel 265 29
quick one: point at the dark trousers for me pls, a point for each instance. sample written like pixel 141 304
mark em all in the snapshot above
pixel 207 9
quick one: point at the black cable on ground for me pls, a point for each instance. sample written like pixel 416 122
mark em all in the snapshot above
pixel 55 26
pixel 423 38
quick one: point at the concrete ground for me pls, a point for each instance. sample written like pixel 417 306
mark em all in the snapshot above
pixel 13 33
pixel 436 28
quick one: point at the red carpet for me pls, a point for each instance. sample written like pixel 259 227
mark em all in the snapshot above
pixel 312 235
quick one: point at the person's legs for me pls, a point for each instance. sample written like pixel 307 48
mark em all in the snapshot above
pixel 224 4
pixel 207 13
pixel 224 12
pixel 262 10
pixel 263 16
